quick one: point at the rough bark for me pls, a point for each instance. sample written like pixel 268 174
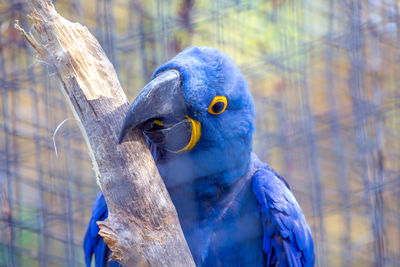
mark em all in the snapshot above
pixel 142 228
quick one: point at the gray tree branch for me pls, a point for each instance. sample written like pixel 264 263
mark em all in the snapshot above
pixel 142 228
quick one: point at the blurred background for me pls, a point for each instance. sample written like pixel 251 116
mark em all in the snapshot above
pixel 323 74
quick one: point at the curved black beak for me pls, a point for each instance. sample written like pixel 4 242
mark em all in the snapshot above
pixel 159 111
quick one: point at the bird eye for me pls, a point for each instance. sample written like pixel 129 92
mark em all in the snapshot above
pixel 218 105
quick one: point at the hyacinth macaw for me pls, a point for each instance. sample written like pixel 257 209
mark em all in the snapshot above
pixel 197 115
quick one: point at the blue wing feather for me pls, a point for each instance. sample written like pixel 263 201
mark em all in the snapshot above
pixel 287 238
pixel 93 243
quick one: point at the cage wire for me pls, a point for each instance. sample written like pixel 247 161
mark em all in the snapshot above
pixel 324 76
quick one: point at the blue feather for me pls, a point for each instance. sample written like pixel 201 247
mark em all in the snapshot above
pixel 281 212
pixel 92 242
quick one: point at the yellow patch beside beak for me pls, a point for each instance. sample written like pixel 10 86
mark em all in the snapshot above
pixel 196 133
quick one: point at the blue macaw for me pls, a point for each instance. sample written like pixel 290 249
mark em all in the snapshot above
pixel 197 115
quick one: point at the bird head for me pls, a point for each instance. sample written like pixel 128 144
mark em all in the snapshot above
pixel 198 101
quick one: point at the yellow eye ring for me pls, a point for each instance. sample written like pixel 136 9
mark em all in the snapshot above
pixel 218 105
